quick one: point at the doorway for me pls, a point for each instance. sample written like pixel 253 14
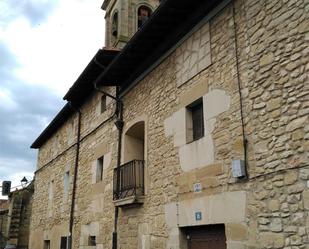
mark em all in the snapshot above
pixel 206 237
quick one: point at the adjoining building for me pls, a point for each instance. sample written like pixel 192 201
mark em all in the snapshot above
pixel 15 218
pixel 4 210
pixel 189 130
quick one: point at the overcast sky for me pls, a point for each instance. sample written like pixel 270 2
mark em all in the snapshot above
pixel 44 46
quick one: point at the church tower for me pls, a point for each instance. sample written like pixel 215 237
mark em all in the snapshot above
pixel 123 18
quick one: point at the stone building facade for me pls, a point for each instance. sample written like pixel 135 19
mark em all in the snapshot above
pixel 4 210
pixel 200 87
pixel 15 218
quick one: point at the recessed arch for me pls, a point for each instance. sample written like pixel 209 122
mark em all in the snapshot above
pixel 134 142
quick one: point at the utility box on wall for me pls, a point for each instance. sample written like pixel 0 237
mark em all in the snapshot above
pixel 238 168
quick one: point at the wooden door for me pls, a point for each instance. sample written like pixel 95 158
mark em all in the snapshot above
pixel 207 237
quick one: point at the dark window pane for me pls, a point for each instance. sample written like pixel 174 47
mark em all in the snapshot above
pixel 46 244
pixel 197 121
pixel 92 241
pixel 63 243
pixel 115 25
pixel 103 103
pixel 99 173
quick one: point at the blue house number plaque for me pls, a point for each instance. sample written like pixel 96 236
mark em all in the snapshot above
pixel 198 216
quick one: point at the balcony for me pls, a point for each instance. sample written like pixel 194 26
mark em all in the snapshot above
pixel 129 183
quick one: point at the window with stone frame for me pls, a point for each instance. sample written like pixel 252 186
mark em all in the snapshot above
pixel 50 194
pixel 64 242
pixel 99 169
pixel 46 244
pixel 92 241
pixel 66 184
pixel 195 121
pixel 103 103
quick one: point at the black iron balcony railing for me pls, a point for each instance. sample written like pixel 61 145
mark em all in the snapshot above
pixel 129 180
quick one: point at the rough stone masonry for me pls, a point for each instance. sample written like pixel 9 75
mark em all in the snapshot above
pixel 262 48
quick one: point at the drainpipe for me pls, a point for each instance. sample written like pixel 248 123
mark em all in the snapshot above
pixel 245 158
pixel 74 177
pixel 119 124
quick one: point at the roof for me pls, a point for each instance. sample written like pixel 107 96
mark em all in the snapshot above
pixel 171 21
pixel 83 86
pixel 57 122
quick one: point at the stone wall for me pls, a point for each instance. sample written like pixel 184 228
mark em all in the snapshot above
pixel 269 209
pixel 15 216
pixel 4 210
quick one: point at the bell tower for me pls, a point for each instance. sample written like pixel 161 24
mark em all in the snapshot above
pixel 123 18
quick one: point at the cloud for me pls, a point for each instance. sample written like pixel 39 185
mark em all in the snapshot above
pixel 25 110
pixel 35 11
pixel 44 46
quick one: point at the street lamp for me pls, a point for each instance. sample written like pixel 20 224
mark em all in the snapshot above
pixel 24 182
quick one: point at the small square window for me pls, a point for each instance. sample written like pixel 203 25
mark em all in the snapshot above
pixel 99 170
pixel 64 243
pixel 103 103
pixel 92 241
pixel 46 244
pixel 195 120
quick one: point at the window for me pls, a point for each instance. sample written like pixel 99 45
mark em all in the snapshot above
pixel 51 192
pixel 64 243
pixel 46 244
pixel 143 14
pixel 66 183
pixel 99 170
pixel 92 241
pixel 195 121
pixel 103 103
pixel 115 25
pixel 50 198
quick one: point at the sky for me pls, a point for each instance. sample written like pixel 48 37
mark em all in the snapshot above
pixel 44 47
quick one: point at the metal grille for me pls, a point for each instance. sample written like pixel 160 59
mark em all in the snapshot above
pixel 129 180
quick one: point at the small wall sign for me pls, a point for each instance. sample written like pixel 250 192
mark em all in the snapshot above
pixel 198 216
pixel 197 187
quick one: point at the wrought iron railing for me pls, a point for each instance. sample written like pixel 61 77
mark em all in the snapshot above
pixel 129 180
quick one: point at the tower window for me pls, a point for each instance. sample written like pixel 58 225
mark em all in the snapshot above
pixel 144 13
pixel 115 25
